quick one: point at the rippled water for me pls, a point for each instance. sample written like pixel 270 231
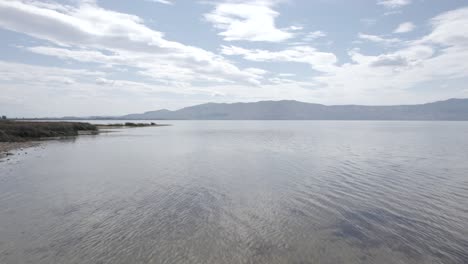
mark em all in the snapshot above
pixel 241 192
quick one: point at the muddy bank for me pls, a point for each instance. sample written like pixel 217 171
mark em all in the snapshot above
pixel 8 148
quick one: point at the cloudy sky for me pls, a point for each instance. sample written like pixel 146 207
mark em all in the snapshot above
pixel 110 57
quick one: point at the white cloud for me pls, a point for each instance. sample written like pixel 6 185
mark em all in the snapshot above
pixel 166 2
pixel 83 32
pixel 411 56
pixel 29 90
pixel 392 12
pixel 393 3
pixel 30 74
pixel 368 21
pixel 389 61
pixel 104 81
pixel 390 75
pixel 378 39
pixel 54 78
pixel 111 41
pixel 296 28
pixel 314 35
pixel 398 70
pixel 450 28
pixel 248 21
pixel 320 61
pixel 405 27
pixel 287 74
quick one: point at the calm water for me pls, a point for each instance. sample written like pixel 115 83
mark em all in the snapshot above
pixel 241 192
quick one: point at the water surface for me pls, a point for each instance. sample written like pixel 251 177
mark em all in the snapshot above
pixel 241 192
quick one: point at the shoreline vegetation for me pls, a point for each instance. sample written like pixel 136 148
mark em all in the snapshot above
pixel 128 124
pixel 21 131
pixel 22 134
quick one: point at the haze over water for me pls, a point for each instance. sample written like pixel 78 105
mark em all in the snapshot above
pixel 241 192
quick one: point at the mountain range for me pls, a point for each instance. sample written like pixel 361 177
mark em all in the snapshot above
pixel 452 109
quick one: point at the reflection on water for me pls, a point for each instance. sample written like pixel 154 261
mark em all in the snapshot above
pixel 242 192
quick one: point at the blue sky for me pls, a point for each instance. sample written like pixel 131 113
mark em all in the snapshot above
pixel 110 57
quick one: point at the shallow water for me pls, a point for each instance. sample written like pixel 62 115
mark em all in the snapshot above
pixel 241 192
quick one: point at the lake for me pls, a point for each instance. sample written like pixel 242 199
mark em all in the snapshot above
pixel 241 192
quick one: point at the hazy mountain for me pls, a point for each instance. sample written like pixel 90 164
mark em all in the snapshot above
pixel 452 109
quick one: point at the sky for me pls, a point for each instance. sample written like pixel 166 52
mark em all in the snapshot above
pixel 113 57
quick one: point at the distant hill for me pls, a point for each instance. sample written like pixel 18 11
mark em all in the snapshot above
pixel 452 109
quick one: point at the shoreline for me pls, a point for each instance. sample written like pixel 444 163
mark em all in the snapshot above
pixel 8 148
pixel 19 135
